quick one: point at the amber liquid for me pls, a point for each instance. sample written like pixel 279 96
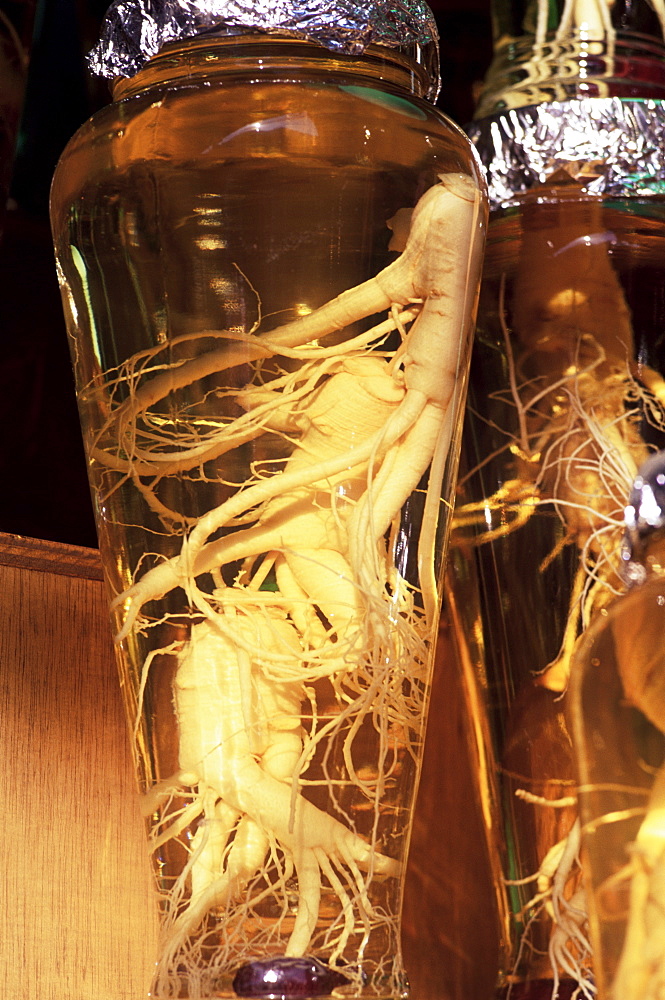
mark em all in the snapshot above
pixel 565 401
pixel 239 210
pixel 621 750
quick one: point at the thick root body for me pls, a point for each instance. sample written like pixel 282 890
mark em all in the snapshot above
pixel 250 800
pixel 299 611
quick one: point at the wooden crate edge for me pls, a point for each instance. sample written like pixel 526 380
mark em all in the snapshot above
pixel 49 557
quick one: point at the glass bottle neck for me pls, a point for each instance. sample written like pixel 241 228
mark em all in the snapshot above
pixel 547 51
pixel 259 57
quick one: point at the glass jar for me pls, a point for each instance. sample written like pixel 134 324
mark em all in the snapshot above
pixel 565 402
pixel 269 256
pixel 563 407
pixel 617 717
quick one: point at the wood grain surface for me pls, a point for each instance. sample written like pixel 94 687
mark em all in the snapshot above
pixel 75 893
pixel 79 921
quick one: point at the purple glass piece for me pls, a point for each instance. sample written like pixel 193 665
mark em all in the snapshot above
pixel 283 977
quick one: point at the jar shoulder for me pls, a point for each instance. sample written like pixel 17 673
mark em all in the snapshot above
pixel 309 120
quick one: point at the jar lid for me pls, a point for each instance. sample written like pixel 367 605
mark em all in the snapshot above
pixel 136 30
pixel 610 147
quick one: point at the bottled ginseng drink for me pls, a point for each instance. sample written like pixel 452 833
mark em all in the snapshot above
pixel 566 400
pixel 269 250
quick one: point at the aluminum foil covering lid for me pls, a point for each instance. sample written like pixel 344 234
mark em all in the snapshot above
pixel 612 146
pixel 135 30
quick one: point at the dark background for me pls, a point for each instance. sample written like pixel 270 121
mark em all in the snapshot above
pixel 45 94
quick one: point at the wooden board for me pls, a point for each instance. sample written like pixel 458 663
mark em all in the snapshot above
pixel 75 893
pixel 79 921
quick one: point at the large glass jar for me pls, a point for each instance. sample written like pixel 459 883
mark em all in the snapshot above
pixel 617 713
pixel 565 401
pixel 564 404
pixel 269 256
pixel 617 716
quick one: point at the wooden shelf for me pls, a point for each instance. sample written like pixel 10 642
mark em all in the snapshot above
pixel 79 918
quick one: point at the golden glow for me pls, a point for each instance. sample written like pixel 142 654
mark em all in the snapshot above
pixel 210 243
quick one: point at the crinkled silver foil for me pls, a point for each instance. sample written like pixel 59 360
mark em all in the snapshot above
pixel 135 30
pixel 612 147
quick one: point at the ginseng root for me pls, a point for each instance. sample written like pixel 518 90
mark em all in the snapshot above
pixel 300 623
pixel 637 970
pixel 640 973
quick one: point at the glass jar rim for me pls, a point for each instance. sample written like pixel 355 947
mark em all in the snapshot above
pixel 257 55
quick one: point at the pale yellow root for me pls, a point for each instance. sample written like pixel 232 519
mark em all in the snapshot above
pixel 590 16
pixel 435 264
pixel 243 782
pixel 361 428
pixel 640 973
